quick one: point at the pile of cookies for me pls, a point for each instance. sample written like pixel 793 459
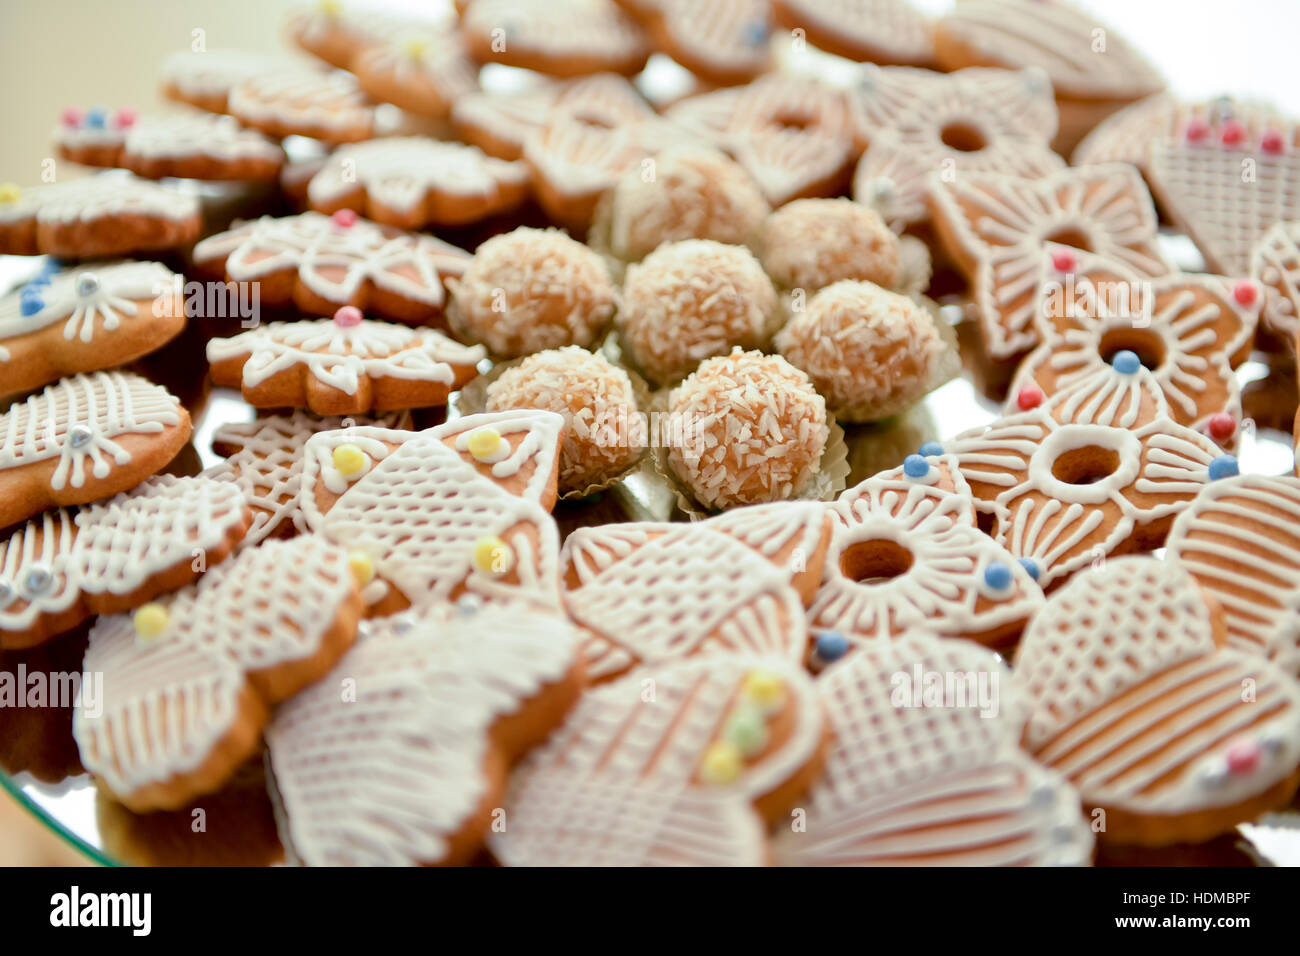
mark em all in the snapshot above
pixel 969 657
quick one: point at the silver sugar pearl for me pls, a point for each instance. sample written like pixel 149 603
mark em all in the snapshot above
pixel 1271 744
pixel 87 284
pixel 1213 778
pixel 1044 795
pixel 80 435
pixel 6 591
pixel 881 190
pixel 469 604
pixel 37 579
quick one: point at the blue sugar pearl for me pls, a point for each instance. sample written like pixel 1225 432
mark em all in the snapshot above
pixel 930 449
pixel 30 304
pixel 997 576
pixel 831 646
pixel 1126 362
pixel 1030 566
pixel 96 118
pixel 914 466
pixel 1225 466
pixel 756 33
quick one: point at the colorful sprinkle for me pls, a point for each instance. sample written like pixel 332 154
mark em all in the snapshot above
pixel 71 117
pixel 350 460
pixel 1222 426
pixel 722 763
pixel 484 442
pixel 1029 397
pixel 1245 293
pixel 1271 141
pixel 344 218
pixel 747 731
pixel 1225 466
pixel 997 576
pixel 1198 130
pixel 830 646
pixel 150 621
pixel 1063 260
pixel 87 284
pixel 348 317
pixel 416 47
pixel 96 118
pixel 125 117
pixel 1232 133
pixel 493 556
pixel 1030 566
pixel 10 192
pixel 1126 362
pixel 915 466
pixel 930 449
pixel 362 567
pixel 1242 758
pixel 764 689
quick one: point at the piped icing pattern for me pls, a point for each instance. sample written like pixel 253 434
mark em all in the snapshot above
pixel 1275 264
pixel 427 70
pixel 723 42
pixel 326 106
pixel 153 144
pixel 205 79
pixel 95 198
pixel 562 38
pixel 878 31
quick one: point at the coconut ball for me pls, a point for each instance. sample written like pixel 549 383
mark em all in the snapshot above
pixel 869 351
pixel 691 300
pixel 690 192
pixel 533 289
pixel 810 243
pixel 753 430
pixel 604 435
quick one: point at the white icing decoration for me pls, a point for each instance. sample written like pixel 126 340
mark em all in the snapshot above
pixel 302 98
pixel 98 197
pixel 213 73
pixel 177 135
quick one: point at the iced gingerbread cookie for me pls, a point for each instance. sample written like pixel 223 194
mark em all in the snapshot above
pixel 165 145
pixel 264 461
pixel 792 134
pixel 1275 265
pixel 329 107
pixel 104 215
pixel 915 122
pixel 1239 539
pixel 1169 736
pixel 317 263
pixel 424 71
pixel 1189 330
pixel 1098 469
pixel 1093 70
pixel 560 37
pixel 413 183
pixel 651 593
pixel 679 763
pixel 430 517
pixel 723 43
pixel 995 225
pixel 876 31
pixel 189 681
pixel 66 321
pixel 204 79
pixel 343 366
pixel 338 33
pixel 85 438
pixel 66 566
pixel 907 555
pixel 411 768
pixel 914 778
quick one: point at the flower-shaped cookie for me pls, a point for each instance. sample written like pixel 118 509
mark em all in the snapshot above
pixel 1189 330
pixel 722 42
pixel 995 226
pixel 188 682
pixel 907 554
pixel 916 122
pixel 63 567
pixel 409 768
pixel 326 106
pixel 434 515
pixel 1097 469
pixel 1134 700
pixel 925 771
pixel 877 31
pixel 318 263
pixel 673 764
pixel 424 71
pixel 650 593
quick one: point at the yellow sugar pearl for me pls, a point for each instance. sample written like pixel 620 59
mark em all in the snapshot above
pixel 484 442
pixel 493 556
pixel 350 460
pixel 331 8
pixel 416 47
pixel 10 192
pixel 150 621
pixel 765 689
pixel 722 763
pixel 362 568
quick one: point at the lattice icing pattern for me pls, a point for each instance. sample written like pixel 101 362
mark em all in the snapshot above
pixel 1275 262
pixel 557 31
pixel 882 31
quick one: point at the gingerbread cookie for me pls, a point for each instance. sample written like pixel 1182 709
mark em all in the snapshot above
pixel 877 31
pixel 995 226
pixel 1189 330
pixel 476 690
pixel 64 567
pixel 561 37
pixel 908 555
pixel 678 763
pixel 915 123
pixel 204 79
pixel 188 681
pixel 85 438
pixel 264 460
pixel 792 134
pixel 651 593
pixel 339 32
pixel 1097 469
pixel 460 509
pixel 1238 539
pixel 424 72
pixel 317 263
pixel 326 106
pixel 164 145
pixel 914 778
pixel 1168 736
pixel 66 321
pixel 344 365
pixel 1275 264
pixel 104 215
pixel 412 183
pixel 723 43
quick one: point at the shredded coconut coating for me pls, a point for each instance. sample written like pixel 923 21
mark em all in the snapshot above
pixel 810 243
pixel 692 300
pixel 759 428
pixel 533 289
pixel 690 192
pixel 603 434
pixel 870 352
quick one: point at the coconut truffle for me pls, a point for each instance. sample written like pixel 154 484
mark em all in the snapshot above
pixel 870 352
pixel 533 289
pixel 604 435
pixel 753 430
pixel 691 300
pixel 810 243
pixel 695 193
